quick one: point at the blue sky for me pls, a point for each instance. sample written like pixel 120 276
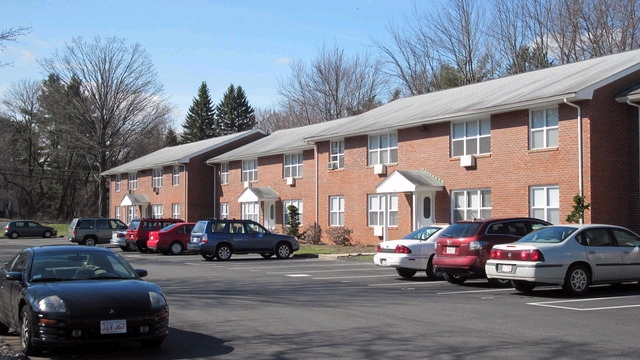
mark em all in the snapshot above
pixel 247 43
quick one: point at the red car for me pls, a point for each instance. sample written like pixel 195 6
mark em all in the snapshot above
pixel 139 229
pixel 172 239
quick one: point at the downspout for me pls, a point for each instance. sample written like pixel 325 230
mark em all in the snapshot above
pixel 580 165
pixel 315 156
pixel 636 106
pixel 184 196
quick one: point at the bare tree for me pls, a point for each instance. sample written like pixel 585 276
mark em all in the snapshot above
pixel 12 34
pixel 121 101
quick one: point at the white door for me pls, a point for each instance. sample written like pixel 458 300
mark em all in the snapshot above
pixel 270 215
pixel 425 209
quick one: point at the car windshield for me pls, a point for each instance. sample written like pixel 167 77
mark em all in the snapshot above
pixel 79 266
pixel 551 234
pixel 422 234
pixel 463 229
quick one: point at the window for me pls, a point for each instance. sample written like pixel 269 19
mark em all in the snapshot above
pixel 156 180
pixel 337 154
pixel 133 181
pixel 377 209
pixel 224 173
pixel 118 182
pixel 296 203
pixel 545 203
pixel 175 178
pixel 156 211
pixel 544 128
pixel 131 213
pixel 383 149
pixel 336 211
pixel 471 137
pixel 293 165
pixel 175 211
pixel 224 210
pixel 471 204
pixel 251 211
pixel 117 213
pixel 250 170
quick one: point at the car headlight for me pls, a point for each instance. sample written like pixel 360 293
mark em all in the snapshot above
pixel 157 300
pixel 52 304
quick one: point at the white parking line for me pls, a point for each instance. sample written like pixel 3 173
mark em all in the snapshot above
pixel 317 271
pixel 474 291
pixel 406 283
pixel 552 303
pixel 350 277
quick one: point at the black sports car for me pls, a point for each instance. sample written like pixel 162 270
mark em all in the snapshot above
pixel 70 295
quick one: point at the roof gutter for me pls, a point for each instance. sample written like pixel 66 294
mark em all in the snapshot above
pixel 580 165
pixel 636 106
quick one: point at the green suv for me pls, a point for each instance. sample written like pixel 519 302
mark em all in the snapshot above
pixel 92 231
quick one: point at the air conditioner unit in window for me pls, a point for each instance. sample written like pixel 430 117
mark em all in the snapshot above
pixel 467 161
pixel 379 169
pixel 291 181
pixel 131 191
pixel 378 231
pixel 247 184
pixel 332 165
pixel 156 190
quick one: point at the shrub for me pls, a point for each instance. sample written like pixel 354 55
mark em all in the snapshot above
pixel 293 222
pixel 340 235
pixel 312 235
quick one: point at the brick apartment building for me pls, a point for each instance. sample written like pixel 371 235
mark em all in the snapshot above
pixel 522 145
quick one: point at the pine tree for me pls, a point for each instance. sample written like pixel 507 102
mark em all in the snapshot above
pixel 171 138
pixel 200 121
pixel 234 114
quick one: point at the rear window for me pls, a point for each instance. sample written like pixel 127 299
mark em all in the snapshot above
pixel 459 230
pixel 134 225
pixel 555 234
pixel 84 224
pixel 199 228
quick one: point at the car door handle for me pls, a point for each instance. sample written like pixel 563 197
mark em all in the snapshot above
pixel 591 252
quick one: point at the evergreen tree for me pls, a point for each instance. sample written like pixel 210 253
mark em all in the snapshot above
pixel 234 114
pixel 171 138
pixel 200 121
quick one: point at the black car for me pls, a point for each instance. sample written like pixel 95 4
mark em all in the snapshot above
pixel 65 295
pixel 25 228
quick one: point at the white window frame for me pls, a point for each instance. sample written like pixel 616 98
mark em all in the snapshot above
pixel 156 211
pixel 545 129
pixel 156 178
pixel 224 210
pixel 132 213
pixel 224 173
pixel 250 170
pixel 383 149
pixel 251 211
pixel 377 209
pixel 175 211
pixel 471 137
pixel 117 212
pixel 132 184
pixel 292 166
pixel 336 151
pixel 118 182
pixel 297 203
pixel 175 176
pixel 545 202
pixel 471 204
pixel 336 210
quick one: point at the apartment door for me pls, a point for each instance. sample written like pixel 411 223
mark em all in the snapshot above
pixel 424 209
pixel 270 215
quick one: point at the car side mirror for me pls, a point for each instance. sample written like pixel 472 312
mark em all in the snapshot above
pixel 13 276
pixel 141 272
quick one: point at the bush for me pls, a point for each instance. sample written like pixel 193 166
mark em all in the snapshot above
pixel 312 235
pixel 340 235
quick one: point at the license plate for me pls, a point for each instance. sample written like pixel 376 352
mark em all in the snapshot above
pixel 113 327
pixel 506 268
pixel 450 250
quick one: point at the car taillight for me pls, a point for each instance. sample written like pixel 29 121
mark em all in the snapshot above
pixel 401 249
pixel 204 238
pixel 379 248
pixel 496 253
pixel 477 245
pixel 531 255
pixel 75 232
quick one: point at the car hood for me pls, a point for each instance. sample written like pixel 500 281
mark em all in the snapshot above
pixel 97 297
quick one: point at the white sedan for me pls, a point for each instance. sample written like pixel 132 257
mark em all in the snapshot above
pixel 574 256
pixel 412 253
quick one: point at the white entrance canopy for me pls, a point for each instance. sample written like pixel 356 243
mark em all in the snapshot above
pixel 255 194
pixel 135 199
pixel 409 181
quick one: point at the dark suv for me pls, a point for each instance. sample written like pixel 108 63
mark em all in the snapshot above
pixel 92 231
pixel 463 248
pixel 222 238
pixel 139 229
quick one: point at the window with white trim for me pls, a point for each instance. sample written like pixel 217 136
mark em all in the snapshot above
pixel 293 165
pixel 133 181
pixel 251 211
pixel 224 210
pixel 118 181
pixel 383 149
pixel 224 173
pixel 175 177
pixel 544 128
pixel 296 203
pixel 337 154
pixel 471 137
pixel 156 211
pixel 471 204
pixel 545 203
pixel 250 170
pixel 175 211
pixel 117 213
pixel 336 211
pixel 377 207
pixel 132 213
pixel 156 178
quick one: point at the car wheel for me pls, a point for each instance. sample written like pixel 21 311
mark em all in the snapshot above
pixel 501 283
pixel 26 333
pixel 208 256
pixel 175 248
pixel 433 273
pixel 124 248
pixel 283 251
pixel 454 279
pixel 14 235
pixel 142 250
pixel 47 234
pixel 90 242
pixel 406 273
pixel 4 329
pixel 223 252
pixel 132 247
pixel 577 280
pixel 266 255
pixel 523 286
